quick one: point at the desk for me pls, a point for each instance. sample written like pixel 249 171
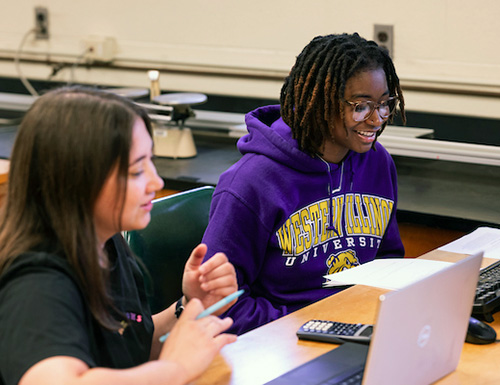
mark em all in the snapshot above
pixel 4 170
pixel 4 176
pixel 273 349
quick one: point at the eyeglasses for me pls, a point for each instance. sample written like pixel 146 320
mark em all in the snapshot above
pixel 364 109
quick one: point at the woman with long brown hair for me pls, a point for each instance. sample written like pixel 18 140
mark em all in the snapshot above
pixel 73 307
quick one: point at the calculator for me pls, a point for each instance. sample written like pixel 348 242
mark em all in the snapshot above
pixel 335 332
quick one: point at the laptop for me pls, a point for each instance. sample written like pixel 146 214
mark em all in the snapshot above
pixel 417 339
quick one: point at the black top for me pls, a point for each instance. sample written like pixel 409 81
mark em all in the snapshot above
pixel 43 313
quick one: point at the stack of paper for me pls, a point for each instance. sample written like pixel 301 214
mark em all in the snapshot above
pixel 392 273
pixel 485 239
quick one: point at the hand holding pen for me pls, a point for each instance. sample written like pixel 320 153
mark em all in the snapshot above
pixel 211 309
pixel 195 340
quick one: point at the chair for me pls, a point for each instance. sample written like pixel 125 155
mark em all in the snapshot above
pixel 177 225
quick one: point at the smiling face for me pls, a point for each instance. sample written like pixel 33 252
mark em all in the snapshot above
pixel 348 134
pixel 142 184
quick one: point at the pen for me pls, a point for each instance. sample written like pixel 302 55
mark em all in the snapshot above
pixel 211 309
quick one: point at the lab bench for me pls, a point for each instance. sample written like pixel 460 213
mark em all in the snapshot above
pixel 438 193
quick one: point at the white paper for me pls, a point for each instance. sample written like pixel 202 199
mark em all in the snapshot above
pixel 485 239
pixel 391 273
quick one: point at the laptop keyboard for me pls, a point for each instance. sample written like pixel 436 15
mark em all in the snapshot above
pixel 334 367
pixel 487 299
pixel 353 379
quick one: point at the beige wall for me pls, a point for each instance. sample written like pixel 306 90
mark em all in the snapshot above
pixel 450 42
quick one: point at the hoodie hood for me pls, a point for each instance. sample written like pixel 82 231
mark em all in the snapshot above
pixel 270 136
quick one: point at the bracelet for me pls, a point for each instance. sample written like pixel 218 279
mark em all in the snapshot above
pixel 179 307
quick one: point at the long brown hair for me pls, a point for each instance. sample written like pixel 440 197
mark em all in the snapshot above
pixel 313 91
pixel 66 147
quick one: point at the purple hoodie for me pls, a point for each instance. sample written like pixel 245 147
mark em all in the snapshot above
pixel 286 219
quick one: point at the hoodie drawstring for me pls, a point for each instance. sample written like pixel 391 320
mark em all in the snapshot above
pixel 352 174
pixel 331 192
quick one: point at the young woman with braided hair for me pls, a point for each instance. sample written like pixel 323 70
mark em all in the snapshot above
pixel 314 192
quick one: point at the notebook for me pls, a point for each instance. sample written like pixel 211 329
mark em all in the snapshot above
pixel 418 335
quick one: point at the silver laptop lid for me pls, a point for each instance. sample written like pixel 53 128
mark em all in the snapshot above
pixel 421 328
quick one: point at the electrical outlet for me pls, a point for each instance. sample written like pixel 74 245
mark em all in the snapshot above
pixel 384 36
pixel 99 48
pixel 42 22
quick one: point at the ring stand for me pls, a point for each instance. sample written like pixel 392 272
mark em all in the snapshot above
pixel 176 141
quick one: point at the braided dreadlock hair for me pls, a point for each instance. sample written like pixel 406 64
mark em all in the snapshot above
pixel 313 91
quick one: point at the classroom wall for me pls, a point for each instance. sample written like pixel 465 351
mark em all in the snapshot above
pixel 438 43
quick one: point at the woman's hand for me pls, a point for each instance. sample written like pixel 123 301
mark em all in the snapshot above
pixel 192 344
pixel 210 281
